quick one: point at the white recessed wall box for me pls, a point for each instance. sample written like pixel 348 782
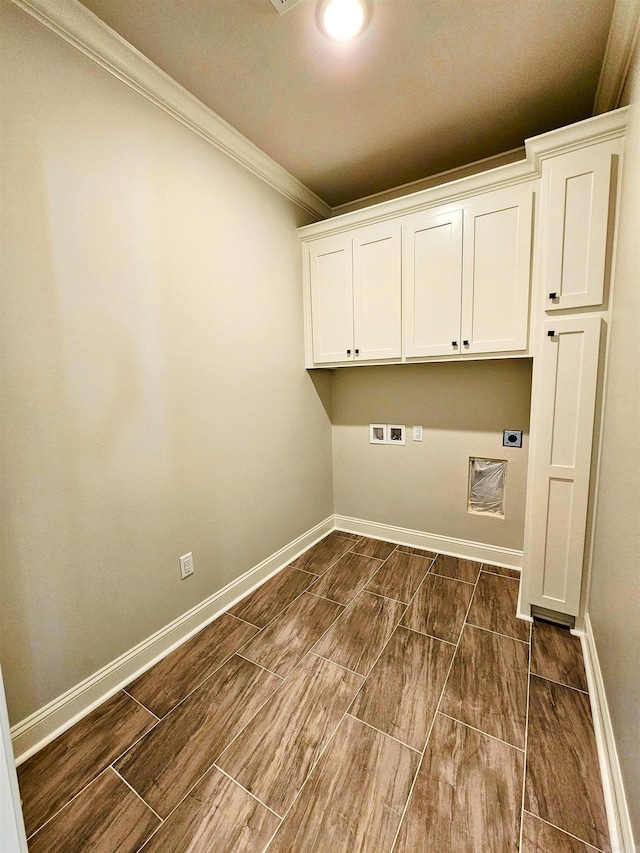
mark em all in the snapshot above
pixel 386 434
pixel 378 434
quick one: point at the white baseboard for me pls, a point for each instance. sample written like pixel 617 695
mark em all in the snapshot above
pixel 493 554
pixel 614 795
pixel 41 727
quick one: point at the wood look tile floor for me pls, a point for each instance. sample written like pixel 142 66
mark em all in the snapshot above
pixel 369 698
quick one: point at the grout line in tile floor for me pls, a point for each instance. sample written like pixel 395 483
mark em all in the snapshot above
pixel 213 763
pixel 266 669
pixel 246 621
pixel 246 790
pixel 499 633
pixel 471 583
pixel 560 829
pixel 560 684
pixel 135 792
pixel 486 734
pixel 62 808
pixel 437 711
pixel 424 633
pixel 526 741
pixel 346 713
pixel 140 703
pixel 328 660
pixel 386 734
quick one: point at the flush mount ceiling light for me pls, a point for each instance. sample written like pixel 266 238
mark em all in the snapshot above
pixel 342 20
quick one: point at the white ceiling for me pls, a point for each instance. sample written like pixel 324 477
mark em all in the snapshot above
pixel 430 85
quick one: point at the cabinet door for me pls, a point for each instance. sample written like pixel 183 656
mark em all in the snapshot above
pixel 377 292
pixel 432 281
pixel 565 394
pixel 331 276
pixel 497 271
pixel 576 195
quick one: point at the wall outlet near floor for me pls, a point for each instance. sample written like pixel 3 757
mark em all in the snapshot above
pixel 417 433
pixel 186 565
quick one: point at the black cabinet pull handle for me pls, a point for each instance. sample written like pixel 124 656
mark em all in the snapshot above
pixel 551 334
pixel 357 352
pixel 553 296
pixel 466 343
pixel 454 343
pixel 348 352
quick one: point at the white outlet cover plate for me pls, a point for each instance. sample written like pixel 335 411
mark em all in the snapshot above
pixel 417 433
pixel 186 565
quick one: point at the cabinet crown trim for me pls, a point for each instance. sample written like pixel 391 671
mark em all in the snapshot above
pixel 538 148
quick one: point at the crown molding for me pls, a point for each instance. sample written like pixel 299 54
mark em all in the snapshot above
pixel 451 191
pixel 601 128
pixel 435 180
pixel 79 27
pixel 623 37
pixel 596 129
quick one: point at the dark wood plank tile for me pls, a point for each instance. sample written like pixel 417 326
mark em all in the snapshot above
pixel 377 548
pixel 563 775
pixel 494 607
pixel 106 817
pixel 51 777
pixel 354 798
pixel 539 837
pixel 467 795
pixel 419 552
pixel 262 605
pixel 282 743
pixel 439 608
pixel 400 576
pixel 171 679
pixel 556 654
pixel 502 570
pixel 456 567
pixel 353 536
pixel 164 765
pixel 216 816
pixel 487 686
pixel 323 554
pixel 358 637
pixel 403 690
pixel 284 642
pixel 344 580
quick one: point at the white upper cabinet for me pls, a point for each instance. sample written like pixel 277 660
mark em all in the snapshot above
pixel 432 281
pixel 355 288
pixel 496 271
pixel 449 272
pixel 576 197
pixel 377 292
pixel 330 273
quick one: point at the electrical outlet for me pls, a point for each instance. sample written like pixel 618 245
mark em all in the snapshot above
pixel 186 565
pixel 512 438
pixel 417 433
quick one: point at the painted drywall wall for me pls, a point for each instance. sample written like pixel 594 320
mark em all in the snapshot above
pixel 463 409
pixel 614 601
pixel 154 397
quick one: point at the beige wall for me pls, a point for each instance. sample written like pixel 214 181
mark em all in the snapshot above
pixel 614 603
pixel 423 486
pixel 154 399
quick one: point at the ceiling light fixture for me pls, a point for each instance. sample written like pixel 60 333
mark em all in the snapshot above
pixel 342 19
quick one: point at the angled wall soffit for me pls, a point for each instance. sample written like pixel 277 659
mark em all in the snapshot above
pixel 79 27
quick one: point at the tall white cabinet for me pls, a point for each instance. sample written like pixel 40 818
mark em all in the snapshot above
pixel 572 299
pixel 509 263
